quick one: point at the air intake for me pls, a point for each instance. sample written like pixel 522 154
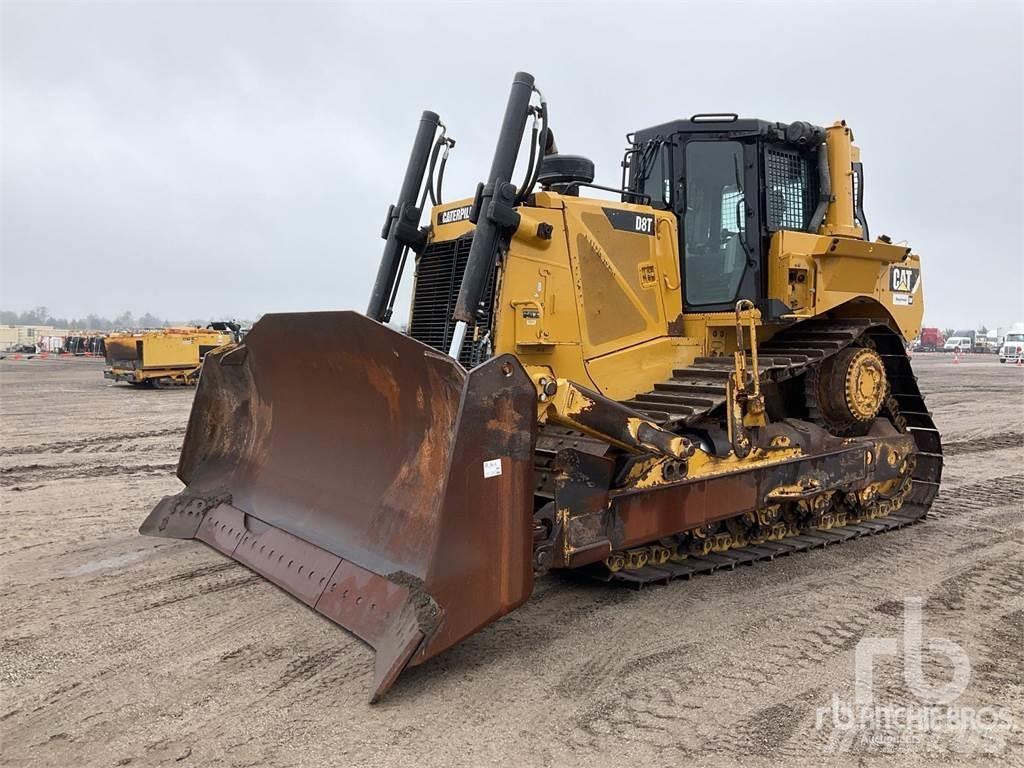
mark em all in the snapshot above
pixel 439 272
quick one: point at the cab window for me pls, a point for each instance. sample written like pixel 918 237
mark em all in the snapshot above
pixel 714 222
pixel 655 170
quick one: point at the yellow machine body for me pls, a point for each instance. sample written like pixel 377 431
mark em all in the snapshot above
pixel 169 355
pixel 604 307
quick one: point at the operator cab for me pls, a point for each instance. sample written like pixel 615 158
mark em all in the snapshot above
pixel 732 183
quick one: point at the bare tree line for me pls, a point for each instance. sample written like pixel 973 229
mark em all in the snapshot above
pixel 42 316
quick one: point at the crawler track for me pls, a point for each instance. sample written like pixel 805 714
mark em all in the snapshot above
pixel 768 550
pixel 905 407
pixel 699 391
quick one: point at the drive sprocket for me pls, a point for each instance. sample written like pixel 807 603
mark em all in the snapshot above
pixel 848 390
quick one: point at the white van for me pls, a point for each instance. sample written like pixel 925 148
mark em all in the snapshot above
pixel 958 344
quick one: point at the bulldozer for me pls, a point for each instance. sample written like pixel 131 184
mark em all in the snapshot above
pixel 700 367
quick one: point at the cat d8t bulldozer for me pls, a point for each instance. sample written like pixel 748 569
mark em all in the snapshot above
pixel 700 367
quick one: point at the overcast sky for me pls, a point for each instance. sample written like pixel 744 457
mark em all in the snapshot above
pixel 208 160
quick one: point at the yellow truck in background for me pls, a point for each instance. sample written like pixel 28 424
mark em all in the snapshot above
pixel 164 356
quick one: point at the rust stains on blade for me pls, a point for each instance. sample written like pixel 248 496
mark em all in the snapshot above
pixel 485 536
pixel 345 463
pixel 322 392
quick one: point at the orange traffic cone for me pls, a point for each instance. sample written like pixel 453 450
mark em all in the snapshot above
pixel 956 357
pixel 1020 360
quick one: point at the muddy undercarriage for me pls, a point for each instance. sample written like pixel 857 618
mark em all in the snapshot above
pixel 811 478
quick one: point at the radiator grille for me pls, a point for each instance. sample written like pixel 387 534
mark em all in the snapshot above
pixel 439 273
pixel 792 189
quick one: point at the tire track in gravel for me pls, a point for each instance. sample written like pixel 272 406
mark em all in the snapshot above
pixel 789 659
pixel 17 475
pixel 771 730
pixel 834 638
pixel 144 596
pixel 869 569
pixel 95 685
pixel 987 583
pixel 784 665
pixel 974 497
pixel 203 590
pixel 950 389
pixel 989 593
pixel 990 582
pixel 318 673
pixel 301 669
pixel 175 580
pixel 76 446
pixel 666 701
pixel 1001 668
pixel 984 444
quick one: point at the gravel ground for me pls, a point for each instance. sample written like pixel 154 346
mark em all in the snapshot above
pixel 123 650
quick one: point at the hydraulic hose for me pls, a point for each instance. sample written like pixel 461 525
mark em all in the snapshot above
pixel 541 144
pixel 521 196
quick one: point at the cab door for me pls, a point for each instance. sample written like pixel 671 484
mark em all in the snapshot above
pixel 716 201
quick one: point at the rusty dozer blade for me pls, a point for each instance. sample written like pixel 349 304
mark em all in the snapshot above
pixel 371 477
